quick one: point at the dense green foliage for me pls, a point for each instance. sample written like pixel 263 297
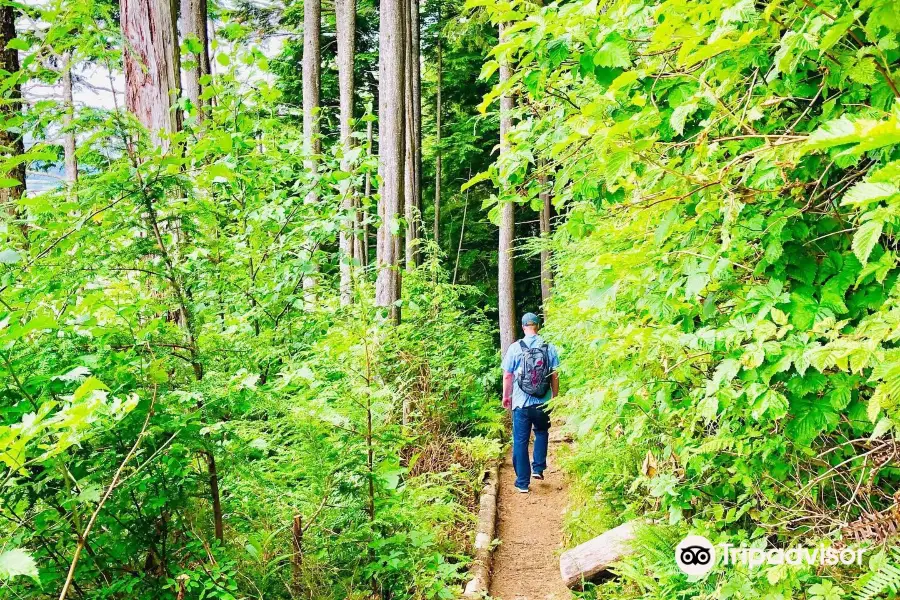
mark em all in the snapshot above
pixel 154 319
pixel 726 289
pixel 726 179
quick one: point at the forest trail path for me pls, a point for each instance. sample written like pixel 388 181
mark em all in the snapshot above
pixel 526 564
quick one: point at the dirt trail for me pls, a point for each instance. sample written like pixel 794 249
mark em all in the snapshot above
pixel 526 564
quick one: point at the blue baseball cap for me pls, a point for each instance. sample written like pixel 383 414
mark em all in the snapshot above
pixel 530 319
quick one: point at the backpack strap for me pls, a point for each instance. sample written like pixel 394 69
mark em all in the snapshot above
pixel 524 346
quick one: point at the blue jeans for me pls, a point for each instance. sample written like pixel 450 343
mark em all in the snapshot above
pixel 523 420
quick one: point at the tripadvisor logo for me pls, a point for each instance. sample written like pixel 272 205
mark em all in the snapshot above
pixel 696 555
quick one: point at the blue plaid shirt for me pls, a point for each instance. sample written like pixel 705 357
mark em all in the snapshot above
pixel 513 363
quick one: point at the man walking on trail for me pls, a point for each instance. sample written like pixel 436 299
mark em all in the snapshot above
pixel 529 380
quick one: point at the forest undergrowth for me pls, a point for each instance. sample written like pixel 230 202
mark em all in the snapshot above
pixel 273 442
pixel 725 272
pixel 234 366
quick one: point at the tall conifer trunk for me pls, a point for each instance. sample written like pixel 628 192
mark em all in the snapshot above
pixel 152 83
pixel 194 23
pixel 152 69
pixel 546 212
pixel 71 162
pixel 362 239
pixel 506 269
pixel 415 70
pixel 411 92
pixel 345 13
pixel 11 143
pixel 391 149
pixel 312 30
pixel 437 118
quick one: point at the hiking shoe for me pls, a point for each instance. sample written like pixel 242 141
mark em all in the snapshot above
pixel 521 490
pixel 538 476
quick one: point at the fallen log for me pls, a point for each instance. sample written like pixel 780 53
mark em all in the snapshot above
pixel 589 561
pixel 480 571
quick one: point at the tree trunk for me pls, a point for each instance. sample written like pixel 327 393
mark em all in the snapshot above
pixel 11 143
pixel 312 29
pixel 506 272
pixel 546 213
pixel 297 559
pixel 392 147
pixel 416 71
pixel 462 232
pixel 411 199
pixel 194 23
pixel 589 561
pixel 216 497
pixel 437 145
pixel 362 241
pixel 345 14
pixel 71 162
pixel 152 70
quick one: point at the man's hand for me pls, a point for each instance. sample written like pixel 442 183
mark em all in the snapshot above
pixel 507 390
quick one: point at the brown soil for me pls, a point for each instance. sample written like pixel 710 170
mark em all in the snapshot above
pixel 526 564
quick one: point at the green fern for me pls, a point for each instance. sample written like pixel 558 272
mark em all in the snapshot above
pixel 657 543
pixel 885 579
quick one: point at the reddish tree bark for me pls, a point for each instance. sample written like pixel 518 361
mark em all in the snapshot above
pixel 152 69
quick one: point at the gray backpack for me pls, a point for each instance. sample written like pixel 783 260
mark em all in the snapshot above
pixel 534 379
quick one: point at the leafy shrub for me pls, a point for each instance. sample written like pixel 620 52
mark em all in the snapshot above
pixel 725 294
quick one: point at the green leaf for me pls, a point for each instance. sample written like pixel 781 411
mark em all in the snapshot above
pixel 558 51
pixel 488 69
pixel 886 174
pixel 76 374
pixel 866 193
pixel 623 80
pixel 586 64
pixel 613 53
pixel 883 425
pixel 91 494
pixel 680 115
pixel 8 182
pixel 18 44
pixel 771 403
pixel 391 480
pixel 865 134
pixel 16 562
pixel 865 238
pixel 617 165
pixel 708 408
pixel 220 171
pixel 90 385
pixel 192 44
pixel 835 33
pixel 810 416
pixel 478 178
pixel 863 71
pixel 9 256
